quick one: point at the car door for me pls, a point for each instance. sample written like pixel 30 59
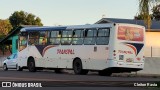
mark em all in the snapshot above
pixel 12 61
pixel 8 62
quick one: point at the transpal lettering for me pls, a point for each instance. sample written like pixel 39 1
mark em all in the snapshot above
pixel 125 52
pixel 65 51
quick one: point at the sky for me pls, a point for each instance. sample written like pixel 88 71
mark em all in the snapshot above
pixel 71 12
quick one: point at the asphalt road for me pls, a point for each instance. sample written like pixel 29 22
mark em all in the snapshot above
pixel 68 81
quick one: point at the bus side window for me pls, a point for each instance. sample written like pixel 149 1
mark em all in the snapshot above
pixel 33 38
pixel 103 36
pixel 66 37
pixel 58 38
pixel 90 36
pixel 55 37
pixel 43 37
pixel 22 42
pixel 77 37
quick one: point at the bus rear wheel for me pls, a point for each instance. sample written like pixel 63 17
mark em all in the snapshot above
pixel 31 65
pixel 77 67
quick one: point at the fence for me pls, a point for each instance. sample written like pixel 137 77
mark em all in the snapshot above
pixel 152 51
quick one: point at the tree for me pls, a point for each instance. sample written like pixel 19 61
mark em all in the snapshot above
pixel 139 17
pixel 144 9
pixel 5 27
pixel 23 18
pixel 156 12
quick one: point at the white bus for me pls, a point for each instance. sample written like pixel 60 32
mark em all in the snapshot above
pixel 106 48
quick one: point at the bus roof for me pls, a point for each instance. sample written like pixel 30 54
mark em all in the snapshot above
pixel 87 26
pixel 45 28
pixel 48 28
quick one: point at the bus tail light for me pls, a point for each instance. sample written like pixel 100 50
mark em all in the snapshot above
pixel 143 58
pixel 114 54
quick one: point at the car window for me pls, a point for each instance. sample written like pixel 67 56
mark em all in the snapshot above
pixel 11 57
pixel 15 56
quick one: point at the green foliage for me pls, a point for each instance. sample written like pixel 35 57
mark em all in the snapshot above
pixel 23 18
pixel 156 12
pixel 139 17
pixel 5 27
pixel 144 8
pixel 154 16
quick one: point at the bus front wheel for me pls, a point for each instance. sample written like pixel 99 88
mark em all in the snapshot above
pixel 77 67
pixel 31 65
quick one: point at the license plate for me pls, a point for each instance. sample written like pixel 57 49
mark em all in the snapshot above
pixel 129 60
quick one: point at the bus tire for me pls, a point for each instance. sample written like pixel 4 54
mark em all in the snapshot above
pixel 78 68
pixel 18 68
pixel 5 67
pixel 105 73
pixel 31 65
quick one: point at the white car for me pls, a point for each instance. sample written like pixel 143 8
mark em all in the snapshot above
pixel 11 63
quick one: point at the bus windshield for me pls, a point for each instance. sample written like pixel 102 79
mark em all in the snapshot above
pixel 23 41
pixel 130 33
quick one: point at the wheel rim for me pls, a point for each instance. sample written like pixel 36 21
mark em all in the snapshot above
pixel 17 67
pixel 77 67
pixel 4 67
pixel 31 64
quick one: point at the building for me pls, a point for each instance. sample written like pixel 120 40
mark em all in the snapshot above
pixel 9 44
pixel 152 35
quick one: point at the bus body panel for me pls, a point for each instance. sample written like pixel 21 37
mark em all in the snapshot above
pixel 126 52
pixel 22 57
pixel 93 57
pixel 63 56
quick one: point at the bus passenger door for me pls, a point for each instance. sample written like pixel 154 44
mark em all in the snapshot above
pixel 99 57
pixel 100 50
